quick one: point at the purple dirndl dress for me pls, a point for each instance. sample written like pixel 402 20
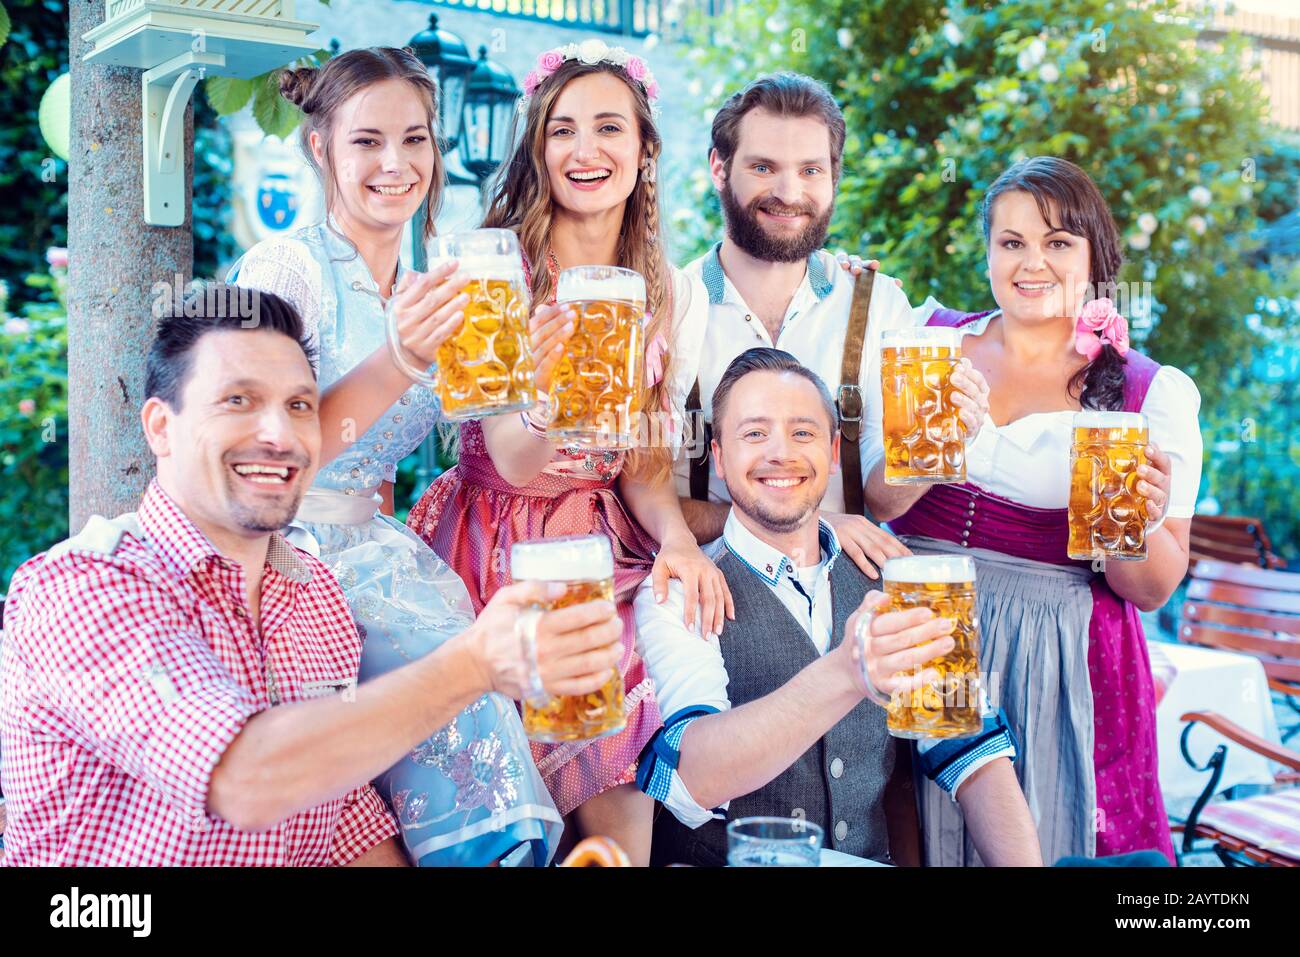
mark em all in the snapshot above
pixel 1038 609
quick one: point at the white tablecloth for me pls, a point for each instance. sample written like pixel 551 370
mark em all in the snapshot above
pixel 1206 680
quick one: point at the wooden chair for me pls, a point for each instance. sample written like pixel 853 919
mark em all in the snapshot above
pixel 1250 610
pixel 1232 538
pixel 1253 831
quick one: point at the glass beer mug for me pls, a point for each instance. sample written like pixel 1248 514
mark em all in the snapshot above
pixel 596 390
pixel 1107 514
pixel 487 367
pixel 951 706
pixel 585 563
pixel 925 443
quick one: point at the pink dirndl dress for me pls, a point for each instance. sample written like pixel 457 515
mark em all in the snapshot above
pixel 1127 791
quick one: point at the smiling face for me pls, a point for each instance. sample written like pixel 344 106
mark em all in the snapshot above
pixel 778 192
pixel 593 145
pixel 244 445
pixel 381 154
pixel 1038 272
pixel 776 449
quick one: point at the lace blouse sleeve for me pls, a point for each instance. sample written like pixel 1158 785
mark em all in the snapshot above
pixel 285 267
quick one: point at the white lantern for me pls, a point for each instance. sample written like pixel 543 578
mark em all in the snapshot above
pixel 178 43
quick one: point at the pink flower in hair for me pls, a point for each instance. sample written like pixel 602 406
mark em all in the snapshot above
pixel 652 90
pixel 531 82
pixel 1099 324
pixel 635 68
pixel 549 62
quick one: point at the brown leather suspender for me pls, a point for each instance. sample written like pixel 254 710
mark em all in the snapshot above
pixel 702 432
pixel 850 394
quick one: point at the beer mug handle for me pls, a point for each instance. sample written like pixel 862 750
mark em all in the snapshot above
pixel 862 635
pixel 526 631
pixel 399 354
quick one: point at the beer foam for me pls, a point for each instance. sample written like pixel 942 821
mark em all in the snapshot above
pixel 584 283
pixel 1092 419
pixel 508 268
pixel 571 558
pixel 921 337
pixel 930 569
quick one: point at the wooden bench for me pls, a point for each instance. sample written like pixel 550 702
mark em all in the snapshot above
pixel 1254 611
pixel 1232 538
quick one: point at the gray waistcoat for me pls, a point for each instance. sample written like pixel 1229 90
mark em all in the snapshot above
pixel 763 650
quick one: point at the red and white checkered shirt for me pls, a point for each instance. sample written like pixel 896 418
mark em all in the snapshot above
pixel 127 671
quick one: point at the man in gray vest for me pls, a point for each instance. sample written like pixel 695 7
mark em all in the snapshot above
pixel 772 717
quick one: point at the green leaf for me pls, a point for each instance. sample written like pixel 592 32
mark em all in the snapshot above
pixel 4 24
pixel 274 114
pixel 226 94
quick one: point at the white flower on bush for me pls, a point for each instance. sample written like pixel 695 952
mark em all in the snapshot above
pixel 1049 73
pixel 1200 195
pixel 1140 241
pixel 1147 222
pixel 844 37
pixel 952 33
pixel 17 327
pixel 1197 224
pixel 592 51
pixel 1031 55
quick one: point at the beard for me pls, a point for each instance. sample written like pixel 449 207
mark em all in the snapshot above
pixel 780 524
pixel 748 233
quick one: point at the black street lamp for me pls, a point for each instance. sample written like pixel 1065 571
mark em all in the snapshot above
pixel 447 57
pixel 490 97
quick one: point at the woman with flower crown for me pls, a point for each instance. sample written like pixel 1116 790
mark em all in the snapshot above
pixel 579 189
pixel 1062 647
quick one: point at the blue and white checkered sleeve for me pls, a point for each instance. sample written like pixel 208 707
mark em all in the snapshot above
pixel 657 772
pixel 949 762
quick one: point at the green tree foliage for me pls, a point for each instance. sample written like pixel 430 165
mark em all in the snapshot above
pixel 940 97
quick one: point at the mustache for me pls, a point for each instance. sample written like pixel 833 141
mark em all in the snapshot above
pixel 781 209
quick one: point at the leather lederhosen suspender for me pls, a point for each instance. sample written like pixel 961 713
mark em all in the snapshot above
pixel 849 397
pixel 703 431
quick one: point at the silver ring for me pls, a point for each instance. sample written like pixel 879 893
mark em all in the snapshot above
pixel 526 631
pixel 861 635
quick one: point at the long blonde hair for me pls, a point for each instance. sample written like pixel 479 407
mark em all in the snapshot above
pixel 521 201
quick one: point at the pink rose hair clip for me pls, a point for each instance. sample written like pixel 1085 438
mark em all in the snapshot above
pixel 591 52
pixel 1100 325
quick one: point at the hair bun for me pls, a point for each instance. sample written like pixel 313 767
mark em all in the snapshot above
pixel 295 85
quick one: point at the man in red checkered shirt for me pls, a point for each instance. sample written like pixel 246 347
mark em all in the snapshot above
pixel 179 683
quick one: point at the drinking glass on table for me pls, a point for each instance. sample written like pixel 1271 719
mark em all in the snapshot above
pixel 773 842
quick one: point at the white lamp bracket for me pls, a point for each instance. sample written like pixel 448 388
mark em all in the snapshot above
pixel 165 92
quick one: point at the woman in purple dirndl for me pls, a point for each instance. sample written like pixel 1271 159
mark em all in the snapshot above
pixel 1062 646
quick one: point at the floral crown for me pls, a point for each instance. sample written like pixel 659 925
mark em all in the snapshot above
pixel 591 52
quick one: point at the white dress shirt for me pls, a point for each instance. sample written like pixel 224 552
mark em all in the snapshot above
pixel 813 331
pixel 689 671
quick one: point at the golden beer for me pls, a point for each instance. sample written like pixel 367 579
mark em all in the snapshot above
pixel 1107 515
pixel 596 392
pixel 486 368
pixel 950 707
pixel 586 565
pixel 925 443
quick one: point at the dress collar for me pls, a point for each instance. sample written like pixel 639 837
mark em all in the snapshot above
pixel 769 563
pixel 184 548
pixel 715 279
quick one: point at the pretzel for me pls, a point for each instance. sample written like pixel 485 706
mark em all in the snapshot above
pixel 596 852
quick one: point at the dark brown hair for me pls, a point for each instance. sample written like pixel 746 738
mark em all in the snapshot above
pixel 783 94
pixel 767 359
pixel 319 92
pixel 1063 190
